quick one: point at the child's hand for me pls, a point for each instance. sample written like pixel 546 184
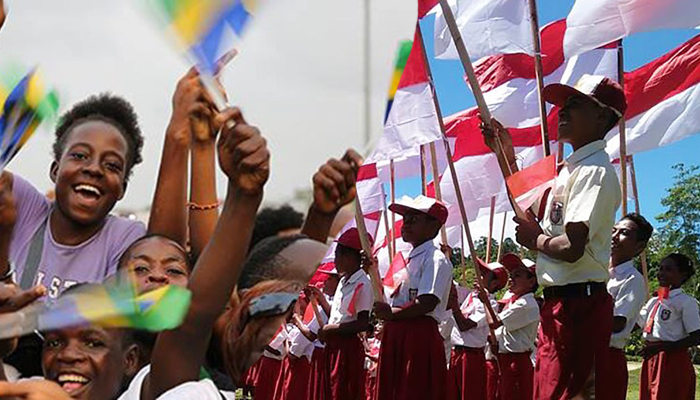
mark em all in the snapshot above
pixel 8 211
pixel 13 299
pixel 192 110
pixel 334 183
pixel 3 13
pixel 243 153
pixel 36 389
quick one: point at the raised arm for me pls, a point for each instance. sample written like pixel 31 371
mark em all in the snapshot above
pixel 244 158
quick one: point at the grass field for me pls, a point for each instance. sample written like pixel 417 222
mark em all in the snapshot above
pixel 633 386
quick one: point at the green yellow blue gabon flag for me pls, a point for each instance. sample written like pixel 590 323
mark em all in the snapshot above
pixel 205 27
pixel 24 107
pixel 401 58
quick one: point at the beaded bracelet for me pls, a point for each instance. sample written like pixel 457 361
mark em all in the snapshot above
pixel 202 207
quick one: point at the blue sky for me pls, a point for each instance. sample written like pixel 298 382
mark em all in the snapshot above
pixel 653 168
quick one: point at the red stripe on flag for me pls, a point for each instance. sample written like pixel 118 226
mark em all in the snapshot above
pixel 367 171
pixel 308 314
pixel 541 172
pixel 414 72
pixel 424 6
pixel 397 265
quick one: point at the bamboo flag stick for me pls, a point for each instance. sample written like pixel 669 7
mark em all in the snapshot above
pixel 623 139
pixel 478 96
pixel 423 172
pixel 535 27
pixel 436 183
pixel 389 245
pixel 503 234
pixel 367 248
pixel 392 189
pixel 488 239
pixel 491 315
pixel 643 256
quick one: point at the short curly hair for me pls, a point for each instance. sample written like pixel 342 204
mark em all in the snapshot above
pixel 271 221
pixel 107 108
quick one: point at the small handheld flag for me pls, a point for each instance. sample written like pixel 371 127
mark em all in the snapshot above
pixel 401 58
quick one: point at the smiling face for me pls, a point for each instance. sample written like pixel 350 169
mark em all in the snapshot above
pixel 522 281
pixel 669 274
pixel 89 363
pixel 90 175
pixel 155 262
pixel 624 244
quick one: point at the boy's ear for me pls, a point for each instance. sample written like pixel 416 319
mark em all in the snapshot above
pixel 131 360
pixel 639 247
pixel 53 172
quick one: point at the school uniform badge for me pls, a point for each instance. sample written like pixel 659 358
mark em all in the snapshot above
pixel 665 314
pixel 556 215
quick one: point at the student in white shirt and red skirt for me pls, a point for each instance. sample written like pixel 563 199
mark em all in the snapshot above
pixel 352 302
pixel 412 361
pixel 671 326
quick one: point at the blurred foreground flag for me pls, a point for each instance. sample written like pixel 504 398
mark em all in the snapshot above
pixel 401 58
pixel 24 107
pixel 594 23
pixel 207 28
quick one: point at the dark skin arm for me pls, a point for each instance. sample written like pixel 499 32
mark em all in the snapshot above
pixel 334 187
pixel 619 324
pixel 303 328
pixel 463 323
pixel 346 328
pixel 321 299
pixel 652 348
pixel 568 247
pixel 244 158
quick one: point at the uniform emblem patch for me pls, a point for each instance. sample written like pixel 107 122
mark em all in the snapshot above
pixel 665 314
pixel 412 294
pixel 556 214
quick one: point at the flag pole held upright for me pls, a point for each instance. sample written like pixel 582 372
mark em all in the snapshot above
pixel 367 248
pixel 436 183
pixel 535 27
pixel 478 95
pixel 623 136
pixel 491 315
pixel 637 209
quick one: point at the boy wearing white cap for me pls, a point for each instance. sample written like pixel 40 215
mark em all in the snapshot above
pixel 412 358
pixel 573 236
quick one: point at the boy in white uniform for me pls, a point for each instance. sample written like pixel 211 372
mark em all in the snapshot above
pixel 671 326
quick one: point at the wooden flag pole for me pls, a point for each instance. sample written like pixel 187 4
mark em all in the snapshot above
pixel 535 28
pixel 367 248
pixel 388 237
pixel 423 172
pixel 491 315
pixel 643 256
pixel 317 313
pixel 436 184
pixel 503 234
pixel 478 96
pixel 488 239
pixel 623 139
pixel 392 189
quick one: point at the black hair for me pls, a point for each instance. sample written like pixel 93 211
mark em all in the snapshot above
pixel 125 255
pixel 683 263
pixel 271 221
pixel 644 228
pixel 613 119
pixel 107 108
pixel 260 264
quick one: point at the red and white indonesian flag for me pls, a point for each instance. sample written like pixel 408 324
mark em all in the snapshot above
pixel 593 23
pixel 663 100
pixel 412 120
pixel 529 184
pixel 488 27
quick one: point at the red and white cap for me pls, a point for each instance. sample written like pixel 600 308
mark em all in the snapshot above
pixel 426 205
pixel 351 239
pixel 512 262
pixel 497 268
pixel 602 90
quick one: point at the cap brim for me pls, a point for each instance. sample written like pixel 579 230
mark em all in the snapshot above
pixel 558 93
pixel 512 262
pixel 402 209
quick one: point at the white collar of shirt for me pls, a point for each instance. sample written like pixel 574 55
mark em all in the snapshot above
pixel 421 249
pixel 586 151
pixel 675 292
pixel 623 269
pixel 354 277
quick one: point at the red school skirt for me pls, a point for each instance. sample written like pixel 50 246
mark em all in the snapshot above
pixel 293 382
pixel 492 375
pixel 668 375
pixel 345 357
pixel 266 379
pixel 412 362
pixel 468 372
pixel 612 382
pixel 517 376
pixel 318 376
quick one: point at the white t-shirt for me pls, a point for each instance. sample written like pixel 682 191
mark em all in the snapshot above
pixel 587 190
pixel 520 319
pixel 675 318
pixel 352 296
pixel 278 343
pixel 429 272
pixel 473 309
pixel 200 390
pixel 299 345
pixel 626 286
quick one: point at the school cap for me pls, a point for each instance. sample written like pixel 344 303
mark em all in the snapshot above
pixel 497 268
pixel 351 239
pixel 426 205
pixel 512 262
pixel 602 90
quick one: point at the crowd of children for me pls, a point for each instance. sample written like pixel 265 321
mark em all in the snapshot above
pixel 254 322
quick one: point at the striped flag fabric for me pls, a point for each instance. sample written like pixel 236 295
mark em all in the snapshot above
pixel 401 58
pixel 529 184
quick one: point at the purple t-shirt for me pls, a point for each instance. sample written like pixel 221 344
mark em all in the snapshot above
pixel 63 266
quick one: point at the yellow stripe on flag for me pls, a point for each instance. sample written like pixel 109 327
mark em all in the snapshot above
pixel 192 19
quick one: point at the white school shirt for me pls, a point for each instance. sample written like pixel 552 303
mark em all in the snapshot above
pixel 474 309
pixel 587 190
pixel 675 318
pixel 626 286
pixel 521 318
pixel 344 293
pixel 199 390
pixel 299 345
pixel 429 272
pixel 314 326
pixel 277 343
